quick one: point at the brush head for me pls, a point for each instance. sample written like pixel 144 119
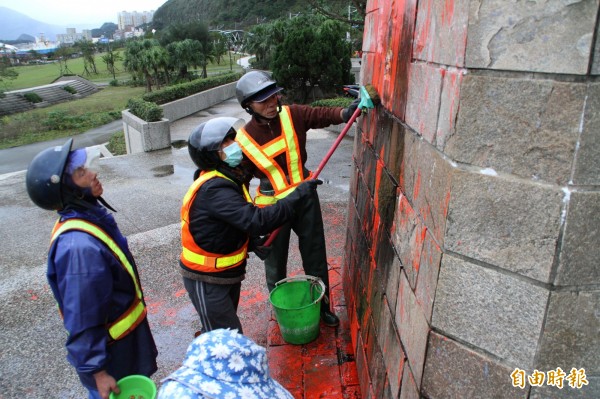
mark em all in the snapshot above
pixel 368 97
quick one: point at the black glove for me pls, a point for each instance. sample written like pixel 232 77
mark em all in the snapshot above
pixel 348 112
pixel 256 245
pixel 306 188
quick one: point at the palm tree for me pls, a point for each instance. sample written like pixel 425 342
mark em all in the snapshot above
pixel 140 59
pixel 110 59
pixel 88 49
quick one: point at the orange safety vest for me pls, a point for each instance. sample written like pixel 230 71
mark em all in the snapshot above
pixel 264 159
pixel 194 257
pixel 136 312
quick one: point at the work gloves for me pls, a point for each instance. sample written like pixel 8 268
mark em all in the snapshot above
pixel 303 190
pixel 256 245
pixel 348 112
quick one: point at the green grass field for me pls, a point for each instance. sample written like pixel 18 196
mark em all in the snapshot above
pixel 66 119
pixel 73 117
pixel 42 74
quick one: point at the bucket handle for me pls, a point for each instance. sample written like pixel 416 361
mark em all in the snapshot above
pixel 303 277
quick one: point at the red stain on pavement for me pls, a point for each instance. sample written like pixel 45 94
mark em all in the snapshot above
pixel 180 293
pixel 250 298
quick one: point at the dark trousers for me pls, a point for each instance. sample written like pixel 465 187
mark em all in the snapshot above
pixel 216 304
pixel 308 226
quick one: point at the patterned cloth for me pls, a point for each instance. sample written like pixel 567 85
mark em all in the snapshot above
pixel 223 364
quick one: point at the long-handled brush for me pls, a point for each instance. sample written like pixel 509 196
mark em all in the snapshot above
pixel 368 99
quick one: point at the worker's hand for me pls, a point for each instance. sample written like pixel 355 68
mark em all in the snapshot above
pixel 348 112
pixel 105 384
pixel 307 187
pixel 303 190
pixel 256 245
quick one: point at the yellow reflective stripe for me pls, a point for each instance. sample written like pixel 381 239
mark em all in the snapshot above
pixel 123 325
pixel 275 147
pixel 120 327
pixel 199 259
pixel 271 169
pixel 294 161
pixel 192 191
pixel 219 262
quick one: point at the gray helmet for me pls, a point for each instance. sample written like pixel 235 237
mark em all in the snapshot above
pixel 44 176
pixel 255 86
pixel 205 140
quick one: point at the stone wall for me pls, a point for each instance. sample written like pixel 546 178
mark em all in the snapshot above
pixel 474 218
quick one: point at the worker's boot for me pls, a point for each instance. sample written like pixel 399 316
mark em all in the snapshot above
pixel 328 318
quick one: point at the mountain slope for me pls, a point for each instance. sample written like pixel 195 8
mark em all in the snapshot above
pixel 13 24
pixel 225 14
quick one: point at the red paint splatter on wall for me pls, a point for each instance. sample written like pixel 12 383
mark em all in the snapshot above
pixel 446 204
pixel 448 12
pixel 417 186
pixel 378 173
pixel 423 34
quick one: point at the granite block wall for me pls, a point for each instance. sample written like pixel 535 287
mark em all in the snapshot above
pixel 471 267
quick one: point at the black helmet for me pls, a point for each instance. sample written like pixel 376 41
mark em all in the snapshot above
pixel 205 140
pixel 44 176
pixel 255 86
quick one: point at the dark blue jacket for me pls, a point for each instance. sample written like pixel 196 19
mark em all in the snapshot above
pixel 93 289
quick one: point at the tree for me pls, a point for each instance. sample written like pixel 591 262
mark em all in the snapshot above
pixel 183 55
pixel 62 54
pixel 313 54
pixel 220 46
pixel 196 31
pixel 6 73
pixel 352 12
pixel 142 58
pixel 262 41
pixel 88 49
pixel 110 59
pixel 34 55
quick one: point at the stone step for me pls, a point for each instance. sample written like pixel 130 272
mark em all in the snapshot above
pixel 53 93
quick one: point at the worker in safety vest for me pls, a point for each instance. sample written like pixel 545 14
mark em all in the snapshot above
pixel 91 272
pixel 220 224
pixel 274 146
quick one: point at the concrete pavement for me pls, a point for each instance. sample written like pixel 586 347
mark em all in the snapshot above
pixel 146 189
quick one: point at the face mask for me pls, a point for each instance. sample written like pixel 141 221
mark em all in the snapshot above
pixel 233 154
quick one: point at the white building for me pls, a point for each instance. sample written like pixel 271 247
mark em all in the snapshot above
pixel 134 19
pixel 72 36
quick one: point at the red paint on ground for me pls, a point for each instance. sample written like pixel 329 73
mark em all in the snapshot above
pixel 249 298
pixel 286 365
pixel 320 382
pixel 180 293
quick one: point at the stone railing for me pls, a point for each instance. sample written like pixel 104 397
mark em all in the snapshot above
pixel 142 136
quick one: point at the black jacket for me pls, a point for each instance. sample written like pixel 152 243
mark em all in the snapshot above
pixel 221 220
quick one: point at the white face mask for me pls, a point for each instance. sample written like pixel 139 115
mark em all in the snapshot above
pixel 233 154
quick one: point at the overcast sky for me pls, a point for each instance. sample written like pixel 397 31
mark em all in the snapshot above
pixel 70 12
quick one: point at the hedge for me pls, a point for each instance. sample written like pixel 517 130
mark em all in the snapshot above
pixel 146 110
pixel 182 90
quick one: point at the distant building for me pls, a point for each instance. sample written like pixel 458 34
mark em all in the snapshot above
pixel 128 33
pixel 72 37
pixel 128 20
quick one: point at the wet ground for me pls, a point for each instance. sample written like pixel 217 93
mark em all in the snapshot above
pixel 147 189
